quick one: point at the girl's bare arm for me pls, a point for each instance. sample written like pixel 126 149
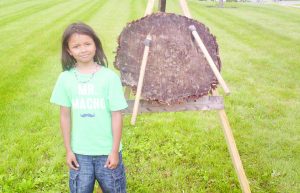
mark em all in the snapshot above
pixel 117 130
pixel 117 123
pixel 65 125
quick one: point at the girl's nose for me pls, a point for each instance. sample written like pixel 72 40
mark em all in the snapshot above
pixel 83 49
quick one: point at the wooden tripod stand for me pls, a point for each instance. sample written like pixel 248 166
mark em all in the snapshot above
pixel 213 102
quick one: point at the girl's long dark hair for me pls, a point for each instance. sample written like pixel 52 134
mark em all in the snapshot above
pixel 69 61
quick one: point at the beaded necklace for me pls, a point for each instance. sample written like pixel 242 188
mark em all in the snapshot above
pixel 89 79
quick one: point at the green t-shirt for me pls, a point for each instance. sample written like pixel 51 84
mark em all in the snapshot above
pixel 91 99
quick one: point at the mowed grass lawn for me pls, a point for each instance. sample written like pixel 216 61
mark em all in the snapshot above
pixel 164 152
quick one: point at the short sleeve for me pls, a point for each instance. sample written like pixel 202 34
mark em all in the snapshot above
pixel 59 94
pixel 116 97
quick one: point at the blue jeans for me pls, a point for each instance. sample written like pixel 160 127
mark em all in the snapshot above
pixel 92 168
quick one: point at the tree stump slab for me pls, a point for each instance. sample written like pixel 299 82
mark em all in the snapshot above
pixel 176 70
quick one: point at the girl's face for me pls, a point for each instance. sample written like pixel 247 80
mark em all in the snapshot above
pixel 82 48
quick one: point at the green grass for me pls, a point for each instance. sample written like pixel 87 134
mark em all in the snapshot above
pixel 164 152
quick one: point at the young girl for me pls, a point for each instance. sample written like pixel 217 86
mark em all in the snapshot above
pixel 90 97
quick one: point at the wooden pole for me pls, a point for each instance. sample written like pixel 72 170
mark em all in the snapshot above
pixel 223 117
pixel 209 59
pixel 162 5
pixel 148 11
pixel 141 79
pixel 221 3
pixel 235 157
pixel 185 8
pixel 149 8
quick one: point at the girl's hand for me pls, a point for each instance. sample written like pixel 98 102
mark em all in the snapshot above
pixel 72 161
pixel 112 160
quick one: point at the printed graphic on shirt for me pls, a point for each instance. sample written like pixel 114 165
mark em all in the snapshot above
pixel 87 115
pixel 87 100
